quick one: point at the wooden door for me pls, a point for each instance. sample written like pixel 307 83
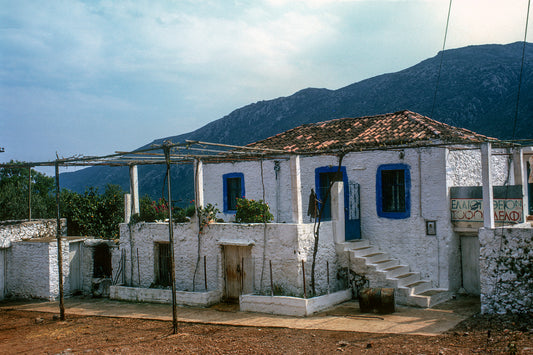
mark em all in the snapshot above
pixel 470 264
pixel 238 272
pixel 74 254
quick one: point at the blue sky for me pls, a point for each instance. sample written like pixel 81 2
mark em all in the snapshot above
pixel 93 77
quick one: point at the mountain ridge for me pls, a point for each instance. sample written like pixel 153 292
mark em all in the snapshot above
pixel 477 90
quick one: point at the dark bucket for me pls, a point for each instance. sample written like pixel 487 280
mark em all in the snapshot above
pixel 379 300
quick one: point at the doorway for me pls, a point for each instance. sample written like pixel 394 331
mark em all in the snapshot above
pixel 470 264
pixel 324 177
pixel 238 272
pixel 74 256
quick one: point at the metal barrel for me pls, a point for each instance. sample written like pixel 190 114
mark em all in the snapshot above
pixel 377 299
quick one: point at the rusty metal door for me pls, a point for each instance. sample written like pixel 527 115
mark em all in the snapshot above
pixel 238 272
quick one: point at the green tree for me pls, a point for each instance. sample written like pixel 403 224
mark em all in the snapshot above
pixel 94 214
pixel 14 194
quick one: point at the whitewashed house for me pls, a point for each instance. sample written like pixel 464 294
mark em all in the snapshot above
pixel 29 266
pixel 393 217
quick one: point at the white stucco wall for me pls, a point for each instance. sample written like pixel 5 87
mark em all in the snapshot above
pixel 254 179
pixel 286 245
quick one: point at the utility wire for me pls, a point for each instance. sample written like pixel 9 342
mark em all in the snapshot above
pixel 441 59
pixel 521 71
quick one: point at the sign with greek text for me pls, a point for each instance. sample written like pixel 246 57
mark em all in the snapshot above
pixel 471 210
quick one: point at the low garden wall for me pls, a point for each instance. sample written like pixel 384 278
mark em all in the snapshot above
pixel 155 295
pixel 292 306
pixel 506 269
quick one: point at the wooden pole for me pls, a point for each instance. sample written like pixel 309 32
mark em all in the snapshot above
pixel 59 247
pixel 138 268
pixel 271 281
pixel 327 272
pixel 29 194
pixel 205 272
pixel 303 275
pixel 166 148
pixel 242 274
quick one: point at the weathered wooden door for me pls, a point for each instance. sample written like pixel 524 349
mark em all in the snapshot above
pixel 470 264
pixel 238 272
pixel 74 255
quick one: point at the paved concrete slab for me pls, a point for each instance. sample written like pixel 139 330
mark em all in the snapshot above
pixel 345 317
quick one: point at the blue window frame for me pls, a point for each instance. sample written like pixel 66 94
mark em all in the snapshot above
pixel 393 191
pixel 323 178
pixel 233 189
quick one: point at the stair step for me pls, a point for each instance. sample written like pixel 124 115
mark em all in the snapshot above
pixel 354 244
pixel 395 270
pixel 364 251
pixel 383 265
pixel 375 257
pixel 408 279
pixel 418 287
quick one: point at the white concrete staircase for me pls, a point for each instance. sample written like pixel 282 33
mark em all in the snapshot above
pixel 383 270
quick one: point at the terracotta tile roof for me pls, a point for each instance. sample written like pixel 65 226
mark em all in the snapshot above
pixel 391 129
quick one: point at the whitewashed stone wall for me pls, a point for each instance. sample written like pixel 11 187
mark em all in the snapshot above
pixel 464 167
pixel 506 270
pixel 14 231
pixel 32 269
pixel 286 245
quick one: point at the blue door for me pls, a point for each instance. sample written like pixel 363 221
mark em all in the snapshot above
pixel 352 212
pixel 323 179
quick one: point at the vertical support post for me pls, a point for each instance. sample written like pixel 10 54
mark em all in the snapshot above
pixel 271 281
pixel 127 208
pixel 59 247
pixel 337 212
pixel 488 207
pixel 303 276
pixel 205 272
pixel 521 178
pixel 199 183
pixel 296 190
pixel 166 149
pixel 134 190
pixel 327 273
pixel 29 194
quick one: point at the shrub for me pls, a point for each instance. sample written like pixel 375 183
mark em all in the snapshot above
pixel 251 211
pixel 151 211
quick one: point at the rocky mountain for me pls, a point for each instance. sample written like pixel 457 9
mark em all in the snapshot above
pixel 477 90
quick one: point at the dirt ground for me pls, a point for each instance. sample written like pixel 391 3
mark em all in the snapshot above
pixel 23 332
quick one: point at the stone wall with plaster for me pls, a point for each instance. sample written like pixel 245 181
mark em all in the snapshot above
pixel 32 269
pixel 14 231
pixel 463 167
pixel 506 269
pixel 285 245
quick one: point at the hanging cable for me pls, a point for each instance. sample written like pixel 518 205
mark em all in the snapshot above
pixel 521 71
pixel 441 60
